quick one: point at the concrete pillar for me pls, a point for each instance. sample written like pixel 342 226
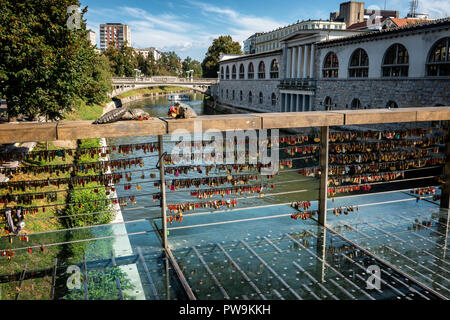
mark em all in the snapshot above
pixel 299 62
pixel 323 163
pixel 305 61
pixel 294 62
pixel 289 60
pixel 311 66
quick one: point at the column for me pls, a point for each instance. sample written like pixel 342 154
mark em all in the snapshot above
pixel 311 67
pixel 305 61
pixel 323 163
pixel 294 62
pixel 288 69
pixel 299 62
pixel 285 59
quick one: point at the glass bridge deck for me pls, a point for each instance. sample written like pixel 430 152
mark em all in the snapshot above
pixel 258 253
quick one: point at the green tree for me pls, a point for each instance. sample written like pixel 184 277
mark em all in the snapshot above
pixel 189 64
pixel 123 60
pixel 44 65
pixel 221 45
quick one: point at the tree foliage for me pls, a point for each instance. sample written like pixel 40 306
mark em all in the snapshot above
pixel 221 45
pixel 189 64
pixel 44 65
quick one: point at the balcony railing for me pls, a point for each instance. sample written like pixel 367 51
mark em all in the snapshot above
pixel 298 84
pixel 228 239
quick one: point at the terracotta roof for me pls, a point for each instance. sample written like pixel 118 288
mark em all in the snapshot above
pixel 404 22
pixel 379 33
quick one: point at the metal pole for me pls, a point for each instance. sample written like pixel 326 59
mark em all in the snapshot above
pixel 163 192
pixel 445 196
pixel 323 162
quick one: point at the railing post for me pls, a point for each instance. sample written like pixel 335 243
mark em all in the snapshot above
pixel 163 191
pixel 445 196
pixel 323 163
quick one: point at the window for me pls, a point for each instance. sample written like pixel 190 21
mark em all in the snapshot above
pixel 221 73
pixel 396 61
pixel 328 103
pixel 391 104
pixel 251 71
pixel 240 95
pixel 439 59
pixel 227 73
pixel 250 97
pixel 241 71
pixel 356 104
pixel 274 69
pixel 261 70
pixel 227 94
pixel 331 66
pixel 232 95
pixel 261 98
pixel 359 64
pixel 274 99
pixel 233 72
pixel 221 93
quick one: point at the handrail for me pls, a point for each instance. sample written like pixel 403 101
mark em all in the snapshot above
pixel 72 130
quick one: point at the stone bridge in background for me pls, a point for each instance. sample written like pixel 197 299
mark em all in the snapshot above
pixel 122 85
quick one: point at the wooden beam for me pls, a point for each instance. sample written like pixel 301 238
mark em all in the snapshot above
pixel 221 122
pixel 374 116
pixel 85 129
pixel 433 113
pixel 27 132
pixel 300 119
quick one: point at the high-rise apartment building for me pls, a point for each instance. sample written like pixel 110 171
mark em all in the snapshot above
pixel 116 33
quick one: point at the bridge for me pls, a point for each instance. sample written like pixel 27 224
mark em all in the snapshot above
pixel 122 85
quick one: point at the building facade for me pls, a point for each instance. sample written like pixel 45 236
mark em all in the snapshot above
pixel 268 41
pixel 114 33
pixel 148 52
pixel 251 81
pixel 319 70
pixel 402 67
pixel 91 37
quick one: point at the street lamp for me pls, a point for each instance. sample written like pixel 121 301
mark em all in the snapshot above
pixel 137 73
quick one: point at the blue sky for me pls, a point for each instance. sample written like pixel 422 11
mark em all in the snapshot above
pixel 189 26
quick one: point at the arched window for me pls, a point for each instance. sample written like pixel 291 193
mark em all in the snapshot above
pixel 251 71
pixel 232 95
pixel 261 70
pixel 331 66
pixel 240 95
pixel 221 73
pixel 439 59
pixel 274 68
pixel 359 64
pixel 250 97
pixel 241 71
pixel 227 73
pixel 391 104
pixel 274 99
pixel 396 61
pixel 233 72
pixel 328 103
pixel 261 98
pixel 356 104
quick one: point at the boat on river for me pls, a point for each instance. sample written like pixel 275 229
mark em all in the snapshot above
pixel 179 97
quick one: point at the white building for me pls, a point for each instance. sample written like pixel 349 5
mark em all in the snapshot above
pixel 91 37
pixel 149 51
pixel 268 41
